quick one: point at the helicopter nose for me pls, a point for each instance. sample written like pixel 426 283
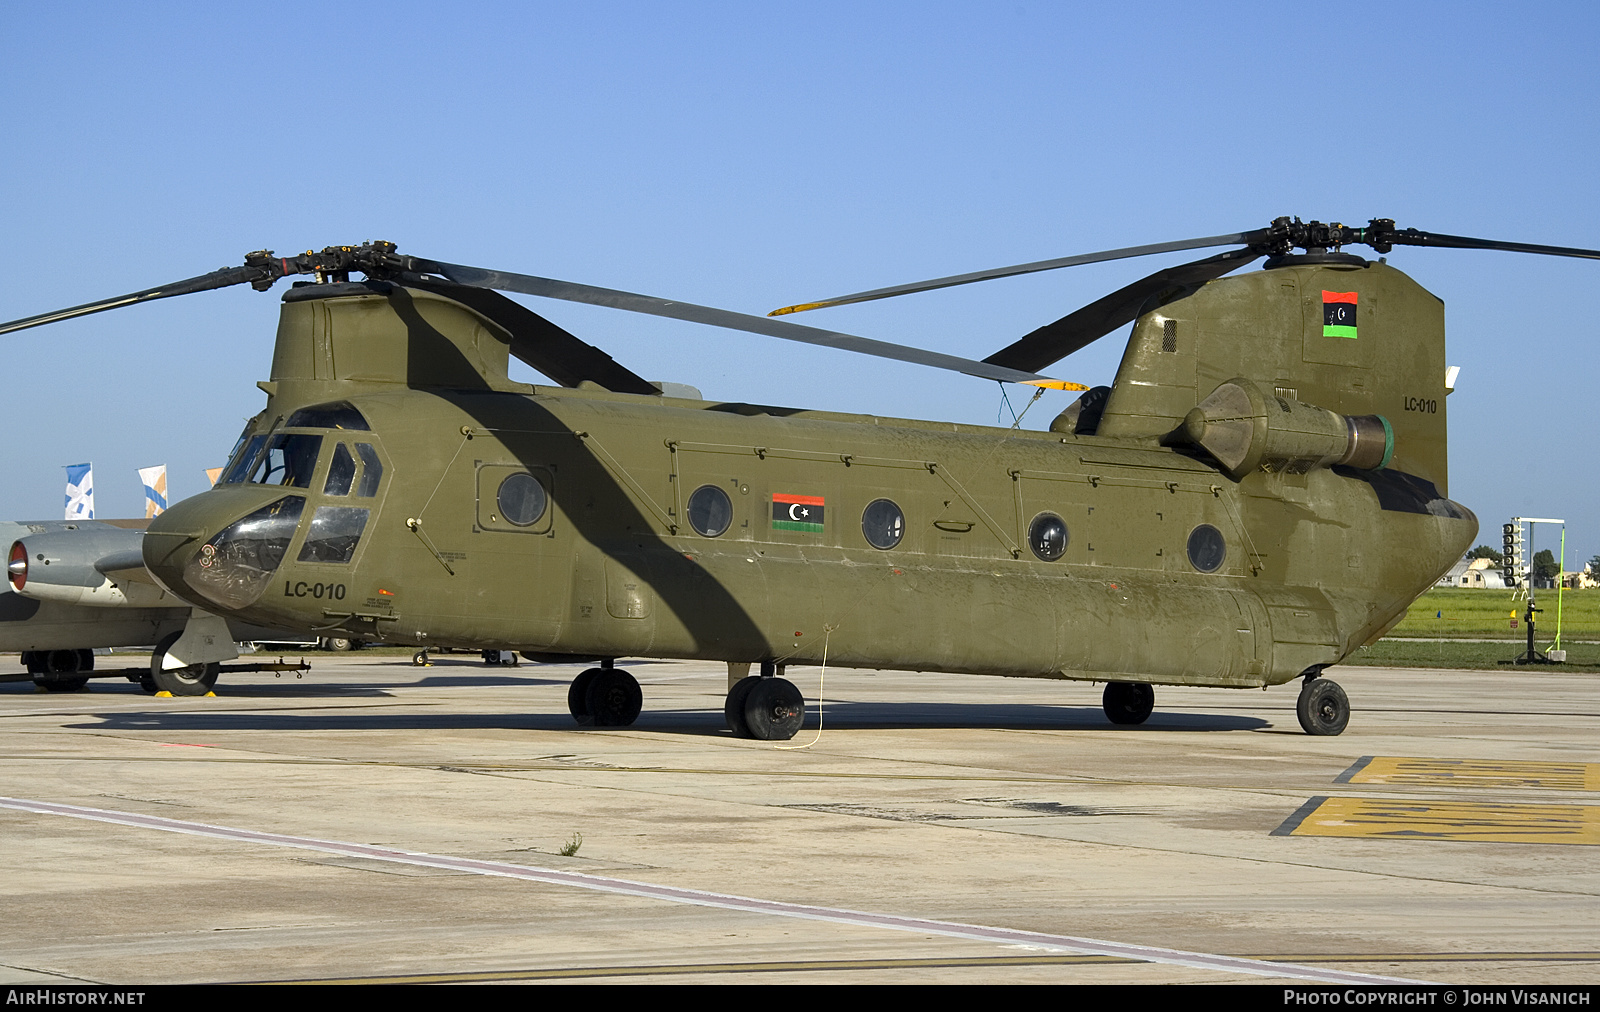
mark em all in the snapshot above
pixel 220 548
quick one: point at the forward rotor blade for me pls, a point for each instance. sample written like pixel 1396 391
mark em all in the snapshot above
pixel 205 282
pixel 1241 239
pixel 568 291
pixel 1417 237
pixel 1055 341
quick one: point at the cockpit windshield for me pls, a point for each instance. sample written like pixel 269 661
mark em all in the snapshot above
pixel 290 460
pixel 244 455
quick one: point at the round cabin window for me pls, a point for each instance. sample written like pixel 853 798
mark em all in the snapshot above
pixel 883 524
pixel 1207 549
pixel 521 499
pixel 1047 536
pixel 710 511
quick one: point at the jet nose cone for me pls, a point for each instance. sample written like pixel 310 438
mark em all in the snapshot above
pixel 220 548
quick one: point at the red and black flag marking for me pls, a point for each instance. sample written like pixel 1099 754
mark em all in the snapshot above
pixel 797 513
pixel 1339 314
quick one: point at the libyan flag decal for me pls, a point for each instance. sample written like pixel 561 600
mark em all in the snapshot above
pixel 1339 314
pixel 797 513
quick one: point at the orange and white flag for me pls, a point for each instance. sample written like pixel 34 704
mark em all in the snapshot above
pixel 154 480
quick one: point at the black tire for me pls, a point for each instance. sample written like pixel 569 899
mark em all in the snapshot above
pixel 194 680
pixel 614 698
pixel 338 644
pixel 32 661
pixel 1323 708
pixel 1128 702
pixel 733 706
pixel 578 695
pixel 148 684
pixel 419 659
pixel 774 709
pixel 57 683
pixel 58 670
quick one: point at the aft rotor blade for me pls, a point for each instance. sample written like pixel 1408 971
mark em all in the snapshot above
pixel 568 291
pixel 205 282
pixel 1240 239
pixel 1055 341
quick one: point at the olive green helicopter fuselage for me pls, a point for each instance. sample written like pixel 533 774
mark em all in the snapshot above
pixel 1257 495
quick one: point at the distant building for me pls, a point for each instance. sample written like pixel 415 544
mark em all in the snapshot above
pixel 1477 574
pixel 1583 580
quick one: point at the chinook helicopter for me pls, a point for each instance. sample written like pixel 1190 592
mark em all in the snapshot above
pixel 1260 491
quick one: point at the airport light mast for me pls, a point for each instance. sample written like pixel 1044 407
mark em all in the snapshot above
pixel 1533 655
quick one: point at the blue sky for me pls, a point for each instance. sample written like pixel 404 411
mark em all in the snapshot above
pixel 753 155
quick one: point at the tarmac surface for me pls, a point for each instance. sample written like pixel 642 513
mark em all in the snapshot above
pixel 373 821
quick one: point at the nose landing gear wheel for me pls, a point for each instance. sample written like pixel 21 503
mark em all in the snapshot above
pixel 1128 702
pixel 194 680
pixel 1323 708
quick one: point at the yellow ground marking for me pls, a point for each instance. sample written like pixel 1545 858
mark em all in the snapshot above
pixel 1383 769
pixel 1400 819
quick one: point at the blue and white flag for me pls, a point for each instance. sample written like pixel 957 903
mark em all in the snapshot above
pixel 80 491
pixel 154 480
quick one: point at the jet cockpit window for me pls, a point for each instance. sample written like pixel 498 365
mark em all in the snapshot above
pixel 290 459
pixel 341 472
pixel 243 456
pixel 372 470
pixel 337 415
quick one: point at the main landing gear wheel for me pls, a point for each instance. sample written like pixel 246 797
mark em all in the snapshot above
pixel 578 696
pixel 1128 702
pixel 1323 708
pixel 773 710
pixel 733 707
pixel 58 670
pixel 613 698
pixel 420 659
pixel 194 680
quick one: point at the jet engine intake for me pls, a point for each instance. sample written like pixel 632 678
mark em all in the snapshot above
pixel 82 566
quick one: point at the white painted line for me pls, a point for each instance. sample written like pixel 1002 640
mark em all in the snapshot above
pixel 600 883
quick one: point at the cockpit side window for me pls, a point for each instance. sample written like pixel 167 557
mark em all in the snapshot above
pixel 341 472
pixel 335 530
pixel 371 470
pixel 290 460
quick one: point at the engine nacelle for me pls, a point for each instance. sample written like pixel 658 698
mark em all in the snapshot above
pixel 1245 429
pixel 72 566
